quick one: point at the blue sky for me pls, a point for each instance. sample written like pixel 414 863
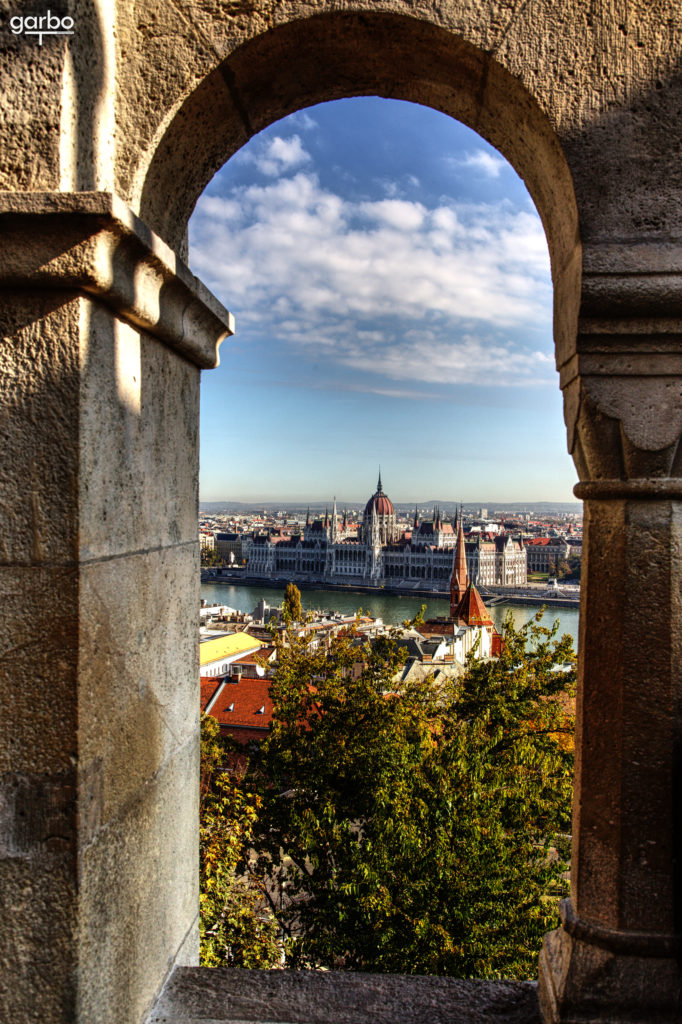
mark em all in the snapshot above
pixel 390 281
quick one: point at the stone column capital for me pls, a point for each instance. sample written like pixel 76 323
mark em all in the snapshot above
pixel 638 489
pixel 630 286
pixel 92 242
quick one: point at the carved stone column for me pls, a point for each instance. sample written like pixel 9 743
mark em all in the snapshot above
pixel 104 334
pixel 618 955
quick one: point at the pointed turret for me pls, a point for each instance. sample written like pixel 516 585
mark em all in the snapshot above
pixel 307 518
pixel 335 525
pixel 415 525
pixel 471 610
pixel 379 487
pixel 375 532
pixel 459 579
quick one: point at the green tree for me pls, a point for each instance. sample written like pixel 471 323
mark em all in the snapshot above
pixel 235 924
pixel 417 621
pixel 210 557
pixel 569 570
pixel 419 832
pixel 291 605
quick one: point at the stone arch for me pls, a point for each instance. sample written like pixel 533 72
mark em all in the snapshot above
pixel 107 332
pixel 336 55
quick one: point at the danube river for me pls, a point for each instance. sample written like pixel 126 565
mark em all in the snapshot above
pixel 392 608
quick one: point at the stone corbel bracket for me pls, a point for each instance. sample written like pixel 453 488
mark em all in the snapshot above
pixel 92 242
pixel 625 378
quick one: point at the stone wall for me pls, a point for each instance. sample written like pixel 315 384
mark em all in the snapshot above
pixel 104 335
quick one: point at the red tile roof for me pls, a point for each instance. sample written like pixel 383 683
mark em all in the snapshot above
pixel 209 685
pixel 472 610
pixel 245 704
pixel 255 657
pixel 430 628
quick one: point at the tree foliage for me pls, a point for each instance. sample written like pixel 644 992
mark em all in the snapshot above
pixel 236 927
pixel 422 831
pixel 569 570
pixel 210 557
pixel 417 621
pixel 291 605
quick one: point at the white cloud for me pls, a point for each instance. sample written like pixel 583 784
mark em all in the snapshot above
pixel 389 288
pixel 490 165
pixel 396 189
pixel 303 120
pixel 277 155
pixel 466 361
pixel 395 213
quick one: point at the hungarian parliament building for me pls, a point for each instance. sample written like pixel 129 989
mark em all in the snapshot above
pixel 328 551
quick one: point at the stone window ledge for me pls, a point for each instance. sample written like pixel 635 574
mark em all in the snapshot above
pixel 92 242
pixel 199 995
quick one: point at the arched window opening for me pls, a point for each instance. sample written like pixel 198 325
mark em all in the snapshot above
pixel 391 285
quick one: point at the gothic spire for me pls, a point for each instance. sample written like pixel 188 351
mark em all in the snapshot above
pixel 379 487
pixel 458 580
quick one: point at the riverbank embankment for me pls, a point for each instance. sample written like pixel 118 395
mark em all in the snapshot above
pixel 493 595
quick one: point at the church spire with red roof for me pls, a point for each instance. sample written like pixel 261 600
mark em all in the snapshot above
pixel 458 580
pixel 472 610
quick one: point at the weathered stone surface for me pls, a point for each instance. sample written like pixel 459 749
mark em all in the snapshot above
pixel 148 99
pixel 39 376
pixel 139 692
pixel 139 431
pixel 38 669
pixel 38 954
pixel 30 115
pixel 138 894
pixel 344 53
pixel 224 996
pixel 93 242
pixel 582 982
pixel 617 957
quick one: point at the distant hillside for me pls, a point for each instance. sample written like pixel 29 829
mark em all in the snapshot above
pixel 447 508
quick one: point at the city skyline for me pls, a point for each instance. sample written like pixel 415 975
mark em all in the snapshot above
pixel 390 282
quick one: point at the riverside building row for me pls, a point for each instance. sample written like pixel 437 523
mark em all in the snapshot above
pixel 236 667
pixel 378 553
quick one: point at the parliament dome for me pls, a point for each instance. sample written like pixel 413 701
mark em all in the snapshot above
pixel 379 503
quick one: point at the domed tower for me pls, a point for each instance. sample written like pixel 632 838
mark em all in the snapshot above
pixel 380 507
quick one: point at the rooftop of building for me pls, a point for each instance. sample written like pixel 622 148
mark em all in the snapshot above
pixel 226 646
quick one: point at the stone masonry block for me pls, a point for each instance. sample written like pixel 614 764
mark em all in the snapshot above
pixel 38 909
pixel 139 681
pixel 139 427
pixel 39 466
pixel 38 668
pixel 139 894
